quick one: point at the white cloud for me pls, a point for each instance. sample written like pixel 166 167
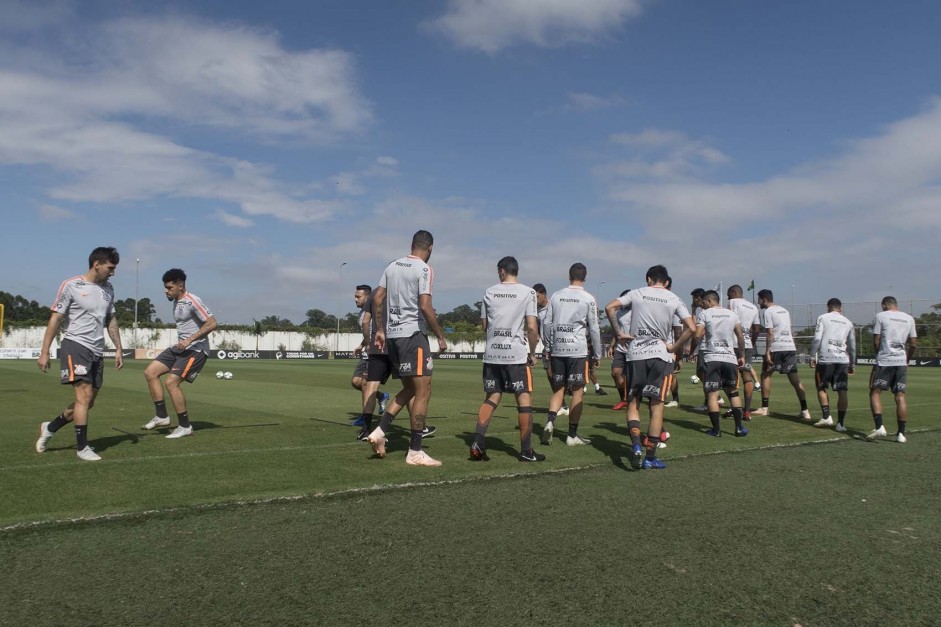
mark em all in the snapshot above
pixel 233 220
pixel 492 25
pixel 389 162
pixel 581 101
pixel 52 213
pixel 660 155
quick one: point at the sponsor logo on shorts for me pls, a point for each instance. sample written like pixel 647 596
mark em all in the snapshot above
pixel 651 390
pixel 81 370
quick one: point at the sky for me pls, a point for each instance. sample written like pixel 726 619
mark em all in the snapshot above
pixel 283 152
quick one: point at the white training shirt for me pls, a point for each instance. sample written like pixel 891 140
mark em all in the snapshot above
pixel 653 310
pixel 506 307
pixel 893 328
pixel 719 342
pixel 834 339
pixel 778 320
pixel 405 280
pixel 88 307
pixel 748 316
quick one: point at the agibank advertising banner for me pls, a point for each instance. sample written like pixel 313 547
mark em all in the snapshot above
pixel 236 355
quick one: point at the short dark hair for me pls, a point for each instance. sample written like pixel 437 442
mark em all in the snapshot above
pixel 766 294
pixel 834 303
pixel 364 288
pixel 539 288
pixel 698 293
pixel 104 254
pixel 174 275
pixel 509 265
pixel 734 289
pixel 711 295
pixel 422 240
pixel 578 272
pixel 668 281
pixel 658 273
pixel 890 300
pixel 624 292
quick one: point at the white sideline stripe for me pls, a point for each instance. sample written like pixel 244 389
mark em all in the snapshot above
pixel 393 486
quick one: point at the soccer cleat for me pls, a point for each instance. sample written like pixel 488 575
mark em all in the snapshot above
pixel 428 431
pixel 44 435
pixel 741 433
pixel 661 444
pixel 900 438
pixel 157 421
pixel 876 433
pixel 619 406
pixel 840 428
pixel 383 398
pixel 637 456
pixel 671 404
pixel 700 408
pixel 761 411
pixel 478 453
pixel 824 422
pixel 377 439
pixel 714 433
pixel 420 458
pixel 576 440
pixel 746 416
pixel 88 454
pixel 531 456
pixel 546 437
pixel 180 432
pixel 563 411
pixel 363 434
pixel 359 422
pixel 721 402
pixel 600 392
pixel 653 464
pixel 805 415
pixel 728 413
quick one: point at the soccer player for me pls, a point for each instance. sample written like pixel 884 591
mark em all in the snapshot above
pixel 723 353
pixel 620 370
pixel 651 356
pixel 833 358
pixel 748 316
pixel 182 361
pixel 572 316
pixel 542 306
pixel 508 313
pixel 677 362
pixel 894 338
pixel 360 381
pixel 87 301
pixel 403 311
pixel 780 353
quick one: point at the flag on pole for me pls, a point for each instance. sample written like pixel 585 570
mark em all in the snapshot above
pixel 751 286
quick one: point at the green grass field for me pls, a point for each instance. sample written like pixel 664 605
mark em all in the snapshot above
pixel 272 513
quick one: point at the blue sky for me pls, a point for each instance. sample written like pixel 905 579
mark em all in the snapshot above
pixel 259 146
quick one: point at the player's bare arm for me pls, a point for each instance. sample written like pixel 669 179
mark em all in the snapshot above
pixel 428 310
pixel 689 331
pixel 115 334
pixel 740 348
pixel 378 311
pixel 611 310
pixel 532 336
pixel 55 320
pixel 364 328
pixel 204 330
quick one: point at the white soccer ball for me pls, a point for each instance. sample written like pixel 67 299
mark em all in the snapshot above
pixel 757 385
pixel 220 374
pixel 227 375
pixel 694 380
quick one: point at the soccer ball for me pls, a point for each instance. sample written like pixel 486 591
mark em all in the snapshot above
pixel 664 436
pixel 694 380
pixel 227 375
pixel 757 385
pixel 220 374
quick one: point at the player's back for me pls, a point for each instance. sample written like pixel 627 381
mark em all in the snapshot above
pixel 748 316
pixel 505 308
pixel 653 310
pixel 778 319
pixel 894 328
pixel 405 280
pixel 720 338
pixel 570 309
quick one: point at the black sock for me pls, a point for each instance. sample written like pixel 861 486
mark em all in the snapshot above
pixel 479 439
pixel 57 423
pixel 676 396
pixel 737 414
pixel 714 419
pixel 902 426
pixel 184 418
pixel 842 415
pixel 385 422
pixel 825 410
pixel 415 442
pixel 550 417
pixel 160 409
pixel 573 429
pixel 634 427
pixel 878 419
pixel 81 436
pixel 764 401
pixel 803 404
pixel 367 422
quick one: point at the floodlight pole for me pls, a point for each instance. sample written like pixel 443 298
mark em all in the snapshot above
pixel 336 346
pixel 136 301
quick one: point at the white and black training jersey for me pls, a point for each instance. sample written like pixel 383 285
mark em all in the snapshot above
pixel 190 313
pixel 719 342
pixel 748 316
pixel 777 319
pixel 506 307
pixel 88 307
pixel 572 315
pixel 893 327
pixel 405 280
pixel 834 340
pixel 652 315
pixel 623 317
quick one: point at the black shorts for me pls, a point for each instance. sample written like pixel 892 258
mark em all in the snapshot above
pixel 720 375
pixel 185 364
pixel 784 362
pixel 893 378
pixel 700 362
pixel 569 372
pixel 833 375
pixel 515 378
pixel 80 363
pixel 378 368
pixel 619 361
pixel 359 372
pixel 652 378
pixel 410 356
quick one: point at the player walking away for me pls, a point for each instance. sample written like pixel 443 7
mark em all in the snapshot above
pixel 592 377
pixel 833 358
pixel 894 338
pixel 87 301
pixel 620 371
pixel 184 360
pixel 542 306
pixel 695 354
pixel 722 349
pixel 780 354
pixel 403 311
pixel 677 362
pixel 651 356
pixel 360 381
pixel 571 317
pixel 748 317
pixel 508 313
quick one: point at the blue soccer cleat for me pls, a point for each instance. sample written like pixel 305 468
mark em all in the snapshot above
pixel 714 433
pixel 654 464
pixel 741 433
pixel 637 456
pixel 359 422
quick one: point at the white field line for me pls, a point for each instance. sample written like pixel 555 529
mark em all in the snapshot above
pixel 387 488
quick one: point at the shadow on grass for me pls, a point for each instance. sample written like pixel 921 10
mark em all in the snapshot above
pixel 490 443
pixel 617 450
